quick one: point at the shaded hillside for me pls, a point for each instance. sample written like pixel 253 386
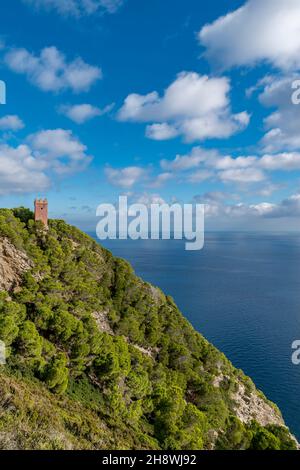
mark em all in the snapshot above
pixel 99 359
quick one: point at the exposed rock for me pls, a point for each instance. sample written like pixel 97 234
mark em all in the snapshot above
pixel 74 244
pixel 151 352
pixel 103 325
pixel 157 295
pixel 102 321
pixel 251 406
pixel 13 263
pixel 217 380
pixel 212 437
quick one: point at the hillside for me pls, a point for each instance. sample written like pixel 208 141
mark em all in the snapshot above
pixel 99 359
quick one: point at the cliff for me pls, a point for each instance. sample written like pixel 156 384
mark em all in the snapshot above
pixel 99 359
pixel 13 264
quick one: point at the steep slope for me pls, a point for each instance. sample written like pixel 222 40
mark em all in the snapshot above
pixel 99 359
pixel 13 263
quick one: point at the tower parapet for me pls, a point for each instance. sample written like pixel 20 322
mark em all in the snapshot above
pixel 41 211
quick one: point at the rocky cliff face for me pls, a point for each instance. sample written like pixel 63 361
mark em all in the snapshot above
pixel 252 406
pixel 13 263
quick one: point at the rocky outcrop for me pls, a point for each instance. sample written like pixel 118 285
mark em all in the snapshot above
pixel 104 326
pixel 13 263
pixel 102 321
pixel 252 406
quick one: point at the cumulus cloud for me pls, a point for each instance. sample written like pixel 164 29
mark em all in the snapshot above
pixel 130 176
pixel 30 167
pixel 162 131
pixel 160 180
pixel 211 197
pixel 125 177
pixel 59 149
pixel 11 122
pixel 199 176
pixel 194 106
pixel 282 125
pixel 77 8
pixel 259 31
pixel 238 175
pixel 50 71
pixel 208 164
pixel 240 170
pixel 18 173
pixel 201 164
pixel 281 161
pixel 197 156
pixel 82 113
pixel 206 159
pixel 147 199
pixel 289 207
pixel 220 205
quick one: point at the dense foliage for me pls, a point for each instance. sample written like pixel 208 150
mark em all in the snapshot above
pixel 105 359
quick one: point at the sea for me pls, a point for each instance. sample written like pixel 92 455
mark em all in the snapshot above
pixel 242 292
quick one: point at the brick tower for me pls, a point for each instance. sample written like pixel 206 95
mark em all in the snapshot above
pixel 41 211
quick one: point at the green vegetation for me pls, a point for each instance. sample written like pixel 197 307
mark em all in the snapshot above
pixel 97 358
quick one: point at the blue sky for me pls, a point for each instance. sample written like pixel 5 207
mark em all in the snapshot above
pixel 161 100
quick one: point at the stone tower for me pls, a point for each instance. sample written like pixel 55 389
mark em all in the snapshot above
pixel 41 211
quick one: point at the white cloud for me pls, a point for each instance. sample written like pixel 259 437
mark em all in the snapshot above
pixel 289 207
pixel 281 161
pixel 60 150
pixel 282 125
pixel 82 113
pixel 11 123
pixel 160 180
pixel 264 209
pixel 276 139
pixel 259 31
pixel 286 161
pixel 200 176
pixel 245 175
pixel 218 207
pixel 161 131
pixel 29 168
pixel 148 199
pixel 125 177
pixel 197 156
pixel 190 95
pixel 18 173
pixel 130 176
pixel 77 8
pixel 228 163
pixel 195 106
pixel 50 70
pixel 219 126
pixel 268 189
pixel 201 164
pixel 211 196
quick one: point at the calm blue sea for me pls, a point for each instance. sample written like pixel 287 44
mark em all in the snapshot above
pixel 242 292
